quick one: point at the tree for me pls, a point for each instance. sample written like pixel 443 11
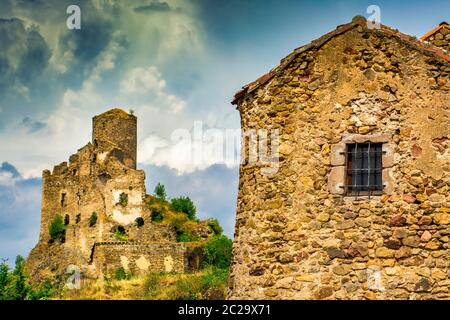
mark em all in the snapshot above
pixel 217 252
pixel 160 192
pixel 19 287
pixel 14 284
pixel 214 225
pixel 4 271
pixel 184 204
pixel 93 219
pixel 57 229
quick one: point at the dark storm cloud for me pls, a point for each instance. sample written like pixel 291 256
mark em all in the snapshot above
pixel 98 31
pixel 24 54
pixel 31 125
pixel 5 9
pixel 24 61
pixel 154 6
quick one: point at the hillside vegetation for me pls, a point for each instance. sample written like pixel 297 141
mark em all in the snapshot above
pixel 210 282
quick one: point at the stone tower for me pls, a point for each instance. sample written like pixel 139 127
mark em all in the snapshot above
pixel 116 130
pixel 359 207
pixel 102 199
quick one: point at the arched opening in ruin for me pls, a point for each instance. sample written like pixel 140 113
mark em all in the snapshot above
pixel 118 154
pixel 63 200
pixel 66 219
pixel 139 222
pixel 104 177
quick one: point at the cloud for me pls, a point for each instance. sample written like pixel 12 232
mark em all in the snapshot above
pixel 154 6
pixel 20 200
pixel 190 150
pixel 79 50
pixel 9 168
pixel 32 125
pixel 23 58
pixel 147 85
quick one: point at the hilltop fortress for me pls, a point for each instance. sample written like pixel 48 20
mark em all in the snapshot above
pixel 101 198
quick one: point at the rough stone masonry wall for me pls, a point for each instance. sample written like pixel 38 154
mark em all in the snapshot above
pixel 141 258
pixel 294 239
pixel 441 38
pixel 92 182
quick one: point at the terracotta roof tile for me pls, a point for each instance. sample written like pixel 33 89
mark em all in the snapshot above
pixel 439 27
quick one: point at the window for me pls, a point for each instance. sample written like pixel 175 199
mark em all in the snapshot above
pixel 362 165
pixel 364 169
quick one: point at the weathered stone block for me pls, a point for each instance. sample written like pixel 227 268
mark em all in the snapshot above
pixel 338 154
pixel 336 180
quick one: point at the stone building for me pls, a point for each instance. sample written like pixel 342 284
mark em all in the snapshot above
pixel 100 195
pixel 439 36
pixel 360 205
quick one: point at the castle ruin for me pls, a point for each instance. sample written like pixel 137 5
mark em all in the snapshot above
pixel 100 194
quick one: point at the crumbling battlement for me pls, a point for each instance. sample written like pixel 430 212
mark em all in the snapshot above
pixel 100 180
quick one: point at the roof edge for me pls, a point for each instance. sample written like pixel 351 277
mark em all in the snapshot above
pixel 318 43
pixel 432 32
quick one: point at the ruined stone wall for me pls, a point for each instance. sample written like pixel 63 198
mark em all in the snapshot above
pixel 441 38
pixel 297 239
pixel 141 258
pixel 100 178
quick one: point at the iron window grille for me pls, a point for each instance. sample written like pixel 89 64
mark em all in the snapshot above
pixel 364 165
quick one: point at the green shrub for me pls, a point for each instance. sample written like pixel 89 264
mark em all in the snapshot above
pixel 184 204
pixel 185 237
pixel 15 286
pixel 214 284
pixel 121 274
pixel 123 199
pixel 157 215
pixel 214 225
pixel 139 222
pixel 217 252
pixel 211 285
pixel 121 236
pixel 187 289
pixel 93 219
pixel 44 291
pixel 160 192
pixel 184 233
pixel 57 229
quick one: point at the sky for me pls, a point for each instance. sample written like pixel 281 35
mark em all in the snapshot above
pixel 175 63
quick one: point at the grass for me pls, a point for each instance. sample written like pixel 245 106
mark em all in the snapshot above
pixel 206 284
pixel 121 236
